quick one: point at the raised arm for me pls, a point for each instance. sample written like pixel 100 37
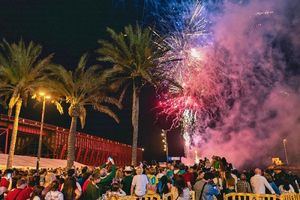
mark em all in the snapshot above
pixel 267 184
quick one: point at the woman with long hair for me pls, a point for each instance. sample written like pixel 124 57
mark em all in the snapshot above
pixel 229 183
pixel 37 193
pixel 182 189
pixel 69 189
pixel 54 193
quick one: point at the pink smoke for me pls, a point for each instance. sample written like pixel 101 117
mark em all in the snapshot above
pixel 267 111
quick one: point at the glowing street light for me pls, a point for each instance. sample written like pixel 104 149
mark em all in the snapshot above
pixel 284 141
pixel 44 96
pixel 165 142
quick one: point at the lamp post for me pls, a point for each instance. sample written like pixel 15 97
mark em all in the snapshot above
pixel 44 97
pixel 284 141
pixel 165 142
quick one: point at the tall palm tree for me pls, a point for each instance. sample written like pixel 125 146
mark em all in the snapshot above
pixel 135 55
pixel 81 88
pixel 21 74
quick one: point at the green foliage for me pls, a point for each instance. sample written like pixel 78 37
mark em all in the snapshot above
pixel 135 55
pixel 21 71
pixel 86 86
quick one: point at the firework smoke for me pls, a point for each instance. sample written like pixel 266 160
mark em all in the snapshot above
pixel 238 82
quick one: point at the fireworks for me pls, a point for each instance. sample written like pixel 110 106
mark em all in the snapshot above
pixel 200 71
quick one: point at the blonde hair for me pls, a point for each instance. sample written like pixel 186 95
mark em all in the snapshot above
pixel 139 170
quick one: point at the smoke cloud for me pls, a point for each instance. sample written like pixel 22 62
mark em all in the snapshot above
pixel 262 41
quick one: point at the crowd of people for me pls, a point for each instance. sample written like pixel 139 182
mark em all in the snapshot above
pixel 210 179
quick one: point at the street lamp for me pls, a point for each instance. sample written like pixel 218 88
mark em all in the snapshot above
pixel 284 141
pixel 44 97
pixel 165 142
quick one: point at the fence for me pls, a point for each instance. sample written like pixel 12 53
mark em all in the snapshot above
pixel 249 196
pixel 290 196
pixel 231 196
pixel 152 197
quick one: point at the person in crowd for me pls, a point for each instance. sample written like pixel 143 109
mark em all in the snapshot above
pixel 170 171
pixel 6 182
pixel 229 183
pixel 199 185
pixel 54 193
pixel 86 183
pixel 49 178
pixel 243 186
pixel 272 183
pixel 294 181
pixel 210 190
pixel 140 183
pixel 106 176
pixel 175 178
pixel 115 191
pixel 188 177
pixel 119 175
pixel 37 193
pixel 183 192
pixel 85 174
pixel 25 194
pixel 286 187
pixel 71 189
pixel 93 191
pixel 259 183
pixel 127 179
pixel 13 194
pixel 218 180
pixel 153 181
pixel 162 186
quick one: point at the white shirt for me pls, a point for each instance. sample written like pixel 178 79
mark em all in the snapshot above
pixel 259 184
pixel 235 181
pixel 185 194
pixel 140 183
pixel 57 195
pixel 282 190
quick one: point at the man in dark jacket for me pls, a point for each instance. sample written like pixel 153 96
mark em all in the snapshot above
pixel 93 192
pixel 127 180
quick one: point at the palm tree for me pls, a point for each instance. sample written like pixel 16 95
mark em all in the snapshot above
pixel 135 55
pixel 81 88
pixel 21 74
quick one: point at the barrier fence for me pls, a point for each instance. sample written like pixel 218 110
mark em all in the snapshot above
pixel 249 196
pixel 231 196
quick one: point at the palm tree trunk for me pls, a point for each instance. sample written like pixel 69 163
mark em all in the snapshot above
pixel 14 135
pixel 135 123
pixel 71 143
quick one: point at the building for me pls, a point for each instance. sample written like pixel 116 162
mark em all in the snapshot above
pixel 90 150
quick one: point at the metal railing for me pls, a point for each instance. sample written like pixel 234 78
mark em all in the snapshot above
pixel 290 196
pixel 250 196
pixel 231 196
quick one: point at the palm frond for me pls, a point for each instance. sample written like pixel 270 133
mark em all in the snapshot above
pixel 21 69
pixel 134 54
pixel 108 111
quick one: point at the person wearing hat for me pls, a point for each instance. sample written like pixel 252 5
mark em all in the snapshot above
pixel 127 180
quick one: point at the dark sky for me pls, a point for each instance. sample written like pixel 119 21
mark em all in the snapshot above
pixel 69 29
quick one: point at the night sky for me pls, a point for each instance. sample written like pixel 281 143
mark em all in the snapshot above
pixel 69 29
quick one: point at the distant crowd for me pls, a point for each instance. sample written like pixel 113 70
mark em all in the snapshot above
pixel 210 179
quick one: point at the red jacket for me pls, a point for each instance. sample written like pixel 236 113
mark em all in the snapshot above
pixel 12 195
pixel 4 182
pixel 25 194
pixel 85 184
